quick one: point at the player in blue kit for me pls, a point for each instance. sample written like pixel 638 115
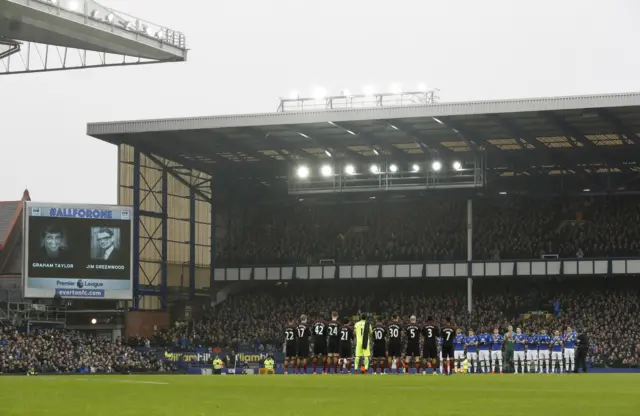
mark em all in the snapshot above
pixel 471 343
pixel 496 350
pixel 484 355
pixel 458 348
pixel 556 352
pixel 519 342
pixel 570 349
pixel 532 353
pixel 544 344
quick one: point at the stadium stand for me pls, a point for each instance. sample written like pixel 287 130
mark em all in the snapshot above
pixel 435 230
pixel 604 308
pixel 10 248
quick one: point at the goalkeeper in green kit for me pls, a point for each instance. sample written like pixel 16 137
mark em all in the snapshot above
pixel 362 330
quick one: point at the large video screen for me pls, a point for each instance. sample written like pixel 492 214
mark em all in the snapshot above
pixel 77 251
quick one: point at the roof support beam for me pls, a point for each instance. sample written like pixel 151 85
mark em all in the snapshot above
pixel 378 145
pixel 316 142
pixel 272 138
pixel 469 138
pixel 418 137
pixel 619 126
pixel 568 130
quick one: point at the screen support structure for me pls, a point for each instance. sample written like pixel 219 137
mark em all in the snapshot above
pixel 154 281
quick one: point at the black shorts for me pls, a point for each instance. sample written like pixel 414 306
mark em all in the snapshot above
pixel 320 348
pixel 303 350
pixel 334 347
pixel 379 350
pixel 290 351
pixel 395 349
pixel 346 351
pixel 413 350
pixel 429 351
pixel 447 352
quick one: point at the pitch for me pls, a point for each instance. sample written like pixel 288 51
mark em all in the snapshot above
pixel 491 395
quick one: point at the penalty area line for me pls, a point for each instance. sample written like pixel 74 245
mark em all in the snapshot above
pixel 157 383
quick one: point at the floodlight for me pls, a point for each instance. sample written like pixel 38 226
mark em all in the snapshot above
pixel 393 168
pixel 302 172
pixel 422 87
pixel 320 93
pixel 54 2
pixel 73 5
pixel 369 90
pixel 375 169
pixel 415 168
pixel 395 89
pixel 326 171
pixel 94 14
pixel 109 18
pixel 94 321
pixel 294 95
pixel 350 170
pixel 346 93
pixel 457 165
pixel 436 166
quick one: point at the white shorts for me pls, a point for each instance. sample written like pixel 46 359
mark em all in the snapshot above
pixel 518 356
pixel 543 355
pixel 569 353
pixel 496 355
pixel 556 355
pixel 458 355
pixel 532 355
pixel 472 356
pixel 483 355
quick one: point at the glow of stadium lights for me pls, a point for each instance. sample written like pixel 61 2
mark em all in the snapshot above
pixel 369 90
pixel 395 89
pixel 350 170
pixel 375 152
pixel 457 165
pixel 328 153
pixel 94 321
pixel 326 171
pixel 320 93
pixel 302 172
pixel 110 18
pixel 73 5
pixel 436 166
pixel 415 168
pixel 437 120
pixel 503 193
pixel 54 2
pixel 393 168
pixel 422 87
pixel 586 190
pixel 94 14
pixel 294 95
pixel 375 169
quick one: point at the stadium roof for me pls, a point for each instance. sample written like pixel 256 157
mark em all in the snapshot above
pixel 577 138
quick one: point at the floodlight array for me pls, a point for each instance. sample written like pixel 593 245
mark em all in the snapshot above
pixel 305 172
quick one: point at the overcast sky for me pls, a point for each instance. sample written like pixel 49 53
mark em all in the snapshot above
pixel 247 53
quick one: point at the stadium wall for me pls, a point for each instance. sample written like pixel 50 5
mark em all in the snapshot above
pixel 154 171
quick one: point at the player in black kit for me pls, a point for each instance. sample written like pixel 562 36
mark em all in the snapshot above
pixel 395 343
pixel 346 348
pixel 447 333
pixel 379 347
pixel 412 331
pixel 320 344
pixel 333 351
pixel 290 352
pixel 430 347
pixel 303 333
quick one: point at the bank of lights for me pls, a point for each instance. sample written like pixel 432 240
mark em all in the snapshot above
pixel 320 93
pixel 304 172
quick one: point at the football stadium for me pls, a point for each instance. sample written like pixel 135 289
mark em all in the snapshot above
pixel 375 253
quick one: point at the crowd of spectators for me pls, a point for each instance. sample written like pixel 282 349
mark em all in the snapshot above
pixel 59 351
pixel 603 308
pixel 433 230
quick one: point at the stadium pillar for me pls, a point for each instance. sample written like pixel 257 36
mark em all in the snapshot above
pixel 136 229
pixel 469 254
pixel 165 240
pixel 192 243
pixel 212 252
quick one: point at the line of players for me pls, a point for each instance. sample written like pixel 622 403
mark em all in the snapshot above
pixel 532 353
pixel 333 347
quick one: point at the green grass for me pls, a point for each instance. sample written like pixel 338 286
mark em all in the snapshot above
pixel 469 395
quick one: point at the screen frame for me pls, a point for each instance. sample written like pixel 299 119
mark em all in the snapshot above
pixel 41 293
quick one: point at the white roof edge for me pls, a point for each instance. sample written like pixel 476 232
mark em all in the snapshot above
pixel 375 113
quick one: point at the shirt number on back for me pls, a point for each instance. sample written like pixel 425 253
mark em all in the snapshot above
pixel 379 335
pixel 448 335
pixel 412 333
pixel 344 336
pixel 301 331
pixel 319 329
pixel 288 335
pixel 393 332
pixel 333 330
pixel 429 333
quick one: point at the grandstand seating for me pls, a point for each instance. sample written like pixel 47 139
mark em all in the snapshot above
pixel 430 230
pixel 604 308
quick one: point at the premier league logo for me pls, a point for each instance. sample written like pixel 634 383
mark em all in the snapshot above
pixel 80 284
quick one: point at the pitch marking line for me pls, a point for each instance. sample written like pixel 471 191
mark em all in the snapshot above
pixel 161 383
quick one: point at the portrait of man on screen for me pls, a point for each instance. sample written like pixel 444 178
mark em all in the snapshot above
pixel 106 245
pixel 53 245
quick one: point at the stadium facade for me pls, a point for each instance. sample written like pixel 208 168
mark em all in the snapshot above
pixel 187 177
